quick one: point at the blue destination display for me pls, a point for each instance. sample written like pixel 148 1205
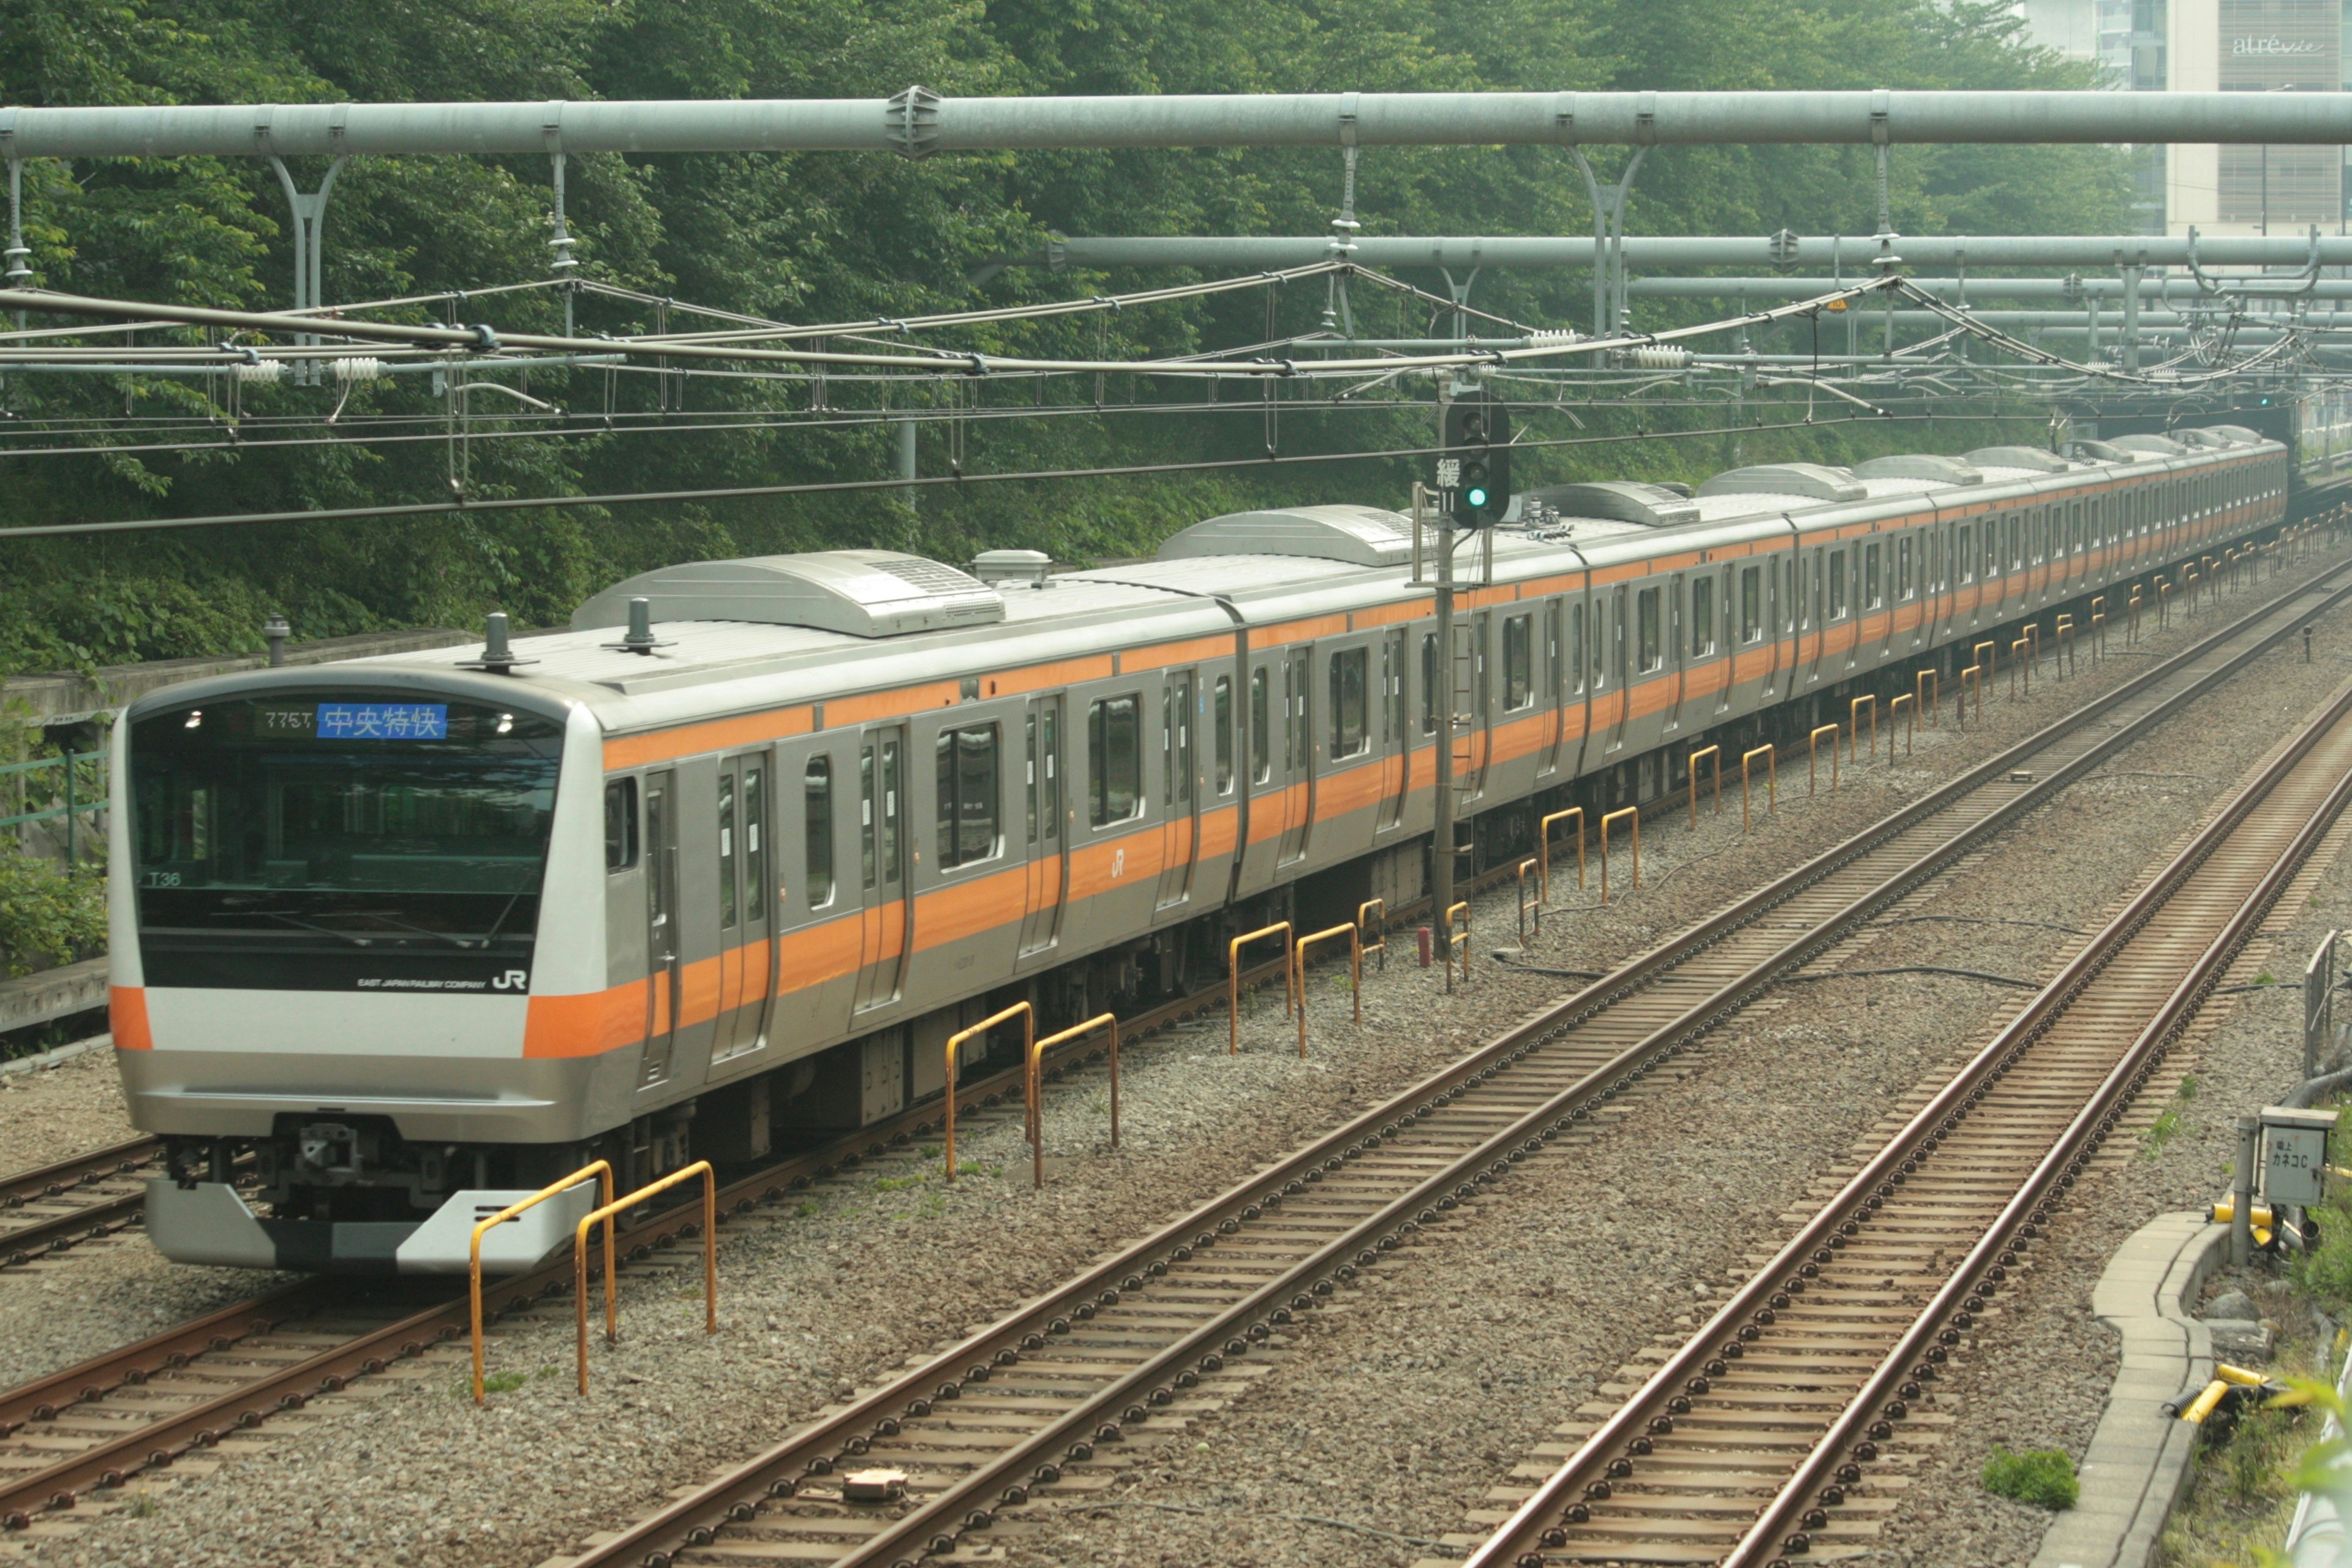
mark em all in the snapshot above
pixel 383 721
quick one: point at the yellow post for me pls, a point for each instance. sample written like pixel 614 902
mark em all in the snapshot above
pixel 1812 760
pixel 1971 679
pixel 599 1169
pixel 709 1257
pixel 1380 924
pixel 955 1044
pixel 1543 847
pixel 1634 812
pixel 1853 727
pixel 1893 709
pixel 1461 940
pixel 1925 692
pixel 1234 980
pixel 1987 658
pixel 2017 658
pixel 1355 972
pixel 1691 767
pixel 1772 782
pixel 1525 866
pixel 1034 1086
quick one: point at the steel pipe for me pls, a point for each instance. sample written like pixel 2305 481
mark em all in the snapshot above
pixel 1852 253
pixel 917 123
pixel 2162 290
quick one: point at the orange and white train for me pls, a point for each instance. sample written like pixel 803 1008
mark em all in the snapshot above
pixel 731 858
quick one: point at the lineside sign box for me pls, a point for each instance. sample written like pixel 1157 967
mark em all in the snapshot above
pixel 2294 1154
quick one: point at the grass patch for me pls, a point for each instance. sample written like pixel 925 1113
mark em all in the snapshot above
pixel 900 1184
pixel 2040 1477
pixel 809 1209
pixel 2170 1120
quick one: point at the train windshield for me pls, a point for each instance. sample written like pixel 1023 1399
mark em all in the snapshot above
pixel 371 822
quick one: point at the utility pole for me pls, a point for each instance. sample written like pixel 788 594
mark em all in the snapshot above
pixel 1440 841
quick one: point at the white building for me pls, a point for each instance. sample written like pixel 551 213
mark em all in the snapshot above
pixel 2215 46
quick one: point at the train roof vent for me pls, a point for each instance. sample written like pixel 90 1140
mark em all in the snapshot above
pixel 861 593
pixel 2099 452
pixel 2240 434
pixel 2028 457
pixel 2211 440
pixel 2160 446
pixel 1816 480
pixel 1359 535
pixel 1621 500
pixel 1929 466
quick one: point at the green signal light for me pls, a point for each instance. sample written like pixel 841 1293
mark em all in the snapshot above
pixel 1476 495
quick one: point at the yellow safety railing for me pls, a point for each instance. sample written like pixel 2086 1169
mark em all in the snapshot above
pixel 599 1170
pixel 612 1302
pixel 2017 662
pixel 1380 924
pixel 1853 727
pixel 1033 1086
pixel 1543 849
pixel 1925 691
pixel 1021 1010
pixel 1812 758
pixel 1771 781
pixel 1454 938
pixel 1691 768
pixel 1986 655
pixel 2033 648
pixel 1234 980
pixel 1525 867
pixel 1901 706
pixel 1971 679
pixel 2064 636
pixel 1355 971
pixel 1634 811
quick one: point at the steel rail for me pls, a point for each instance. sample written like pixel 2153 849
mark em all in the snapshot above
pixel 1615 1449
pixel 23 1495
pixel 918 123
pixel 698 1517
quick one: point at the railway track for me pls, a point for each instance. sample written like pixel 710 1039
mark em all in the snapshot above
pixel 1758 1439
pixel 49 1209
pixel 139 1408
pixel 1157 1329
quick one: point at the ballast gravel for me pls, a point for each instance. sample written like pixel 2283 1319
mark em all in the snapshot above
pixel 1458 1372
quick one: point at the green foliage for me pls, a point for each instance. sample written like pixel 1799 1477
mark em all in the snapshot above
pixel 837 238
pixel 2044 1478
pixel 48 916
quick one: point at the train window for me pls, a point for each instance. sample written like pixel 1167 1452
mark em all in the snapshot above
pixel 1552 681
pixel 1576 641
pixel 1752 604
pixel 1964 553
pixel 726 850
pixel 1115 759
pixel 1302 728
pixel 865 815
pixel 1519 661
pixel 1176 717
pixel 620 824
pixel 1222 724
pixel 966 761
pixel 1649 644
pixel 755 845
pixel 1428 683
pixel 817 823
pixel 2016 542
pixel 1702 627
pixel 1029 740
pixel 1349 723
pixel 1873 584
pixel 1903 589
pixel 1837 584
pixel 1049 730
pixel 893 792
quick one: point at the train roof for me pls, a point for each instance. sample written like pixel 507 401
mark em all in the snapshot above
pixel 771 631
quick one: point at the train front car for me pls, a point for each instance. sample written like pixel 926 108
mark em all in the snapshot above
pixel 336 892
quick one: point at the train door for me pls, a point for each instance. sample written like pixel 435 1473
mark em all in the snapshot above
pixel 1813 604
pixel 1396 734
pixel 807 846
pixel 1179 827
pixel 1678 665
pixel 1297 753
pixel 1049 877
pixel 746 957
pixel 1554 687
pixel 1613 665
pixel 663 945
pixel 1474 738
pixel 882 866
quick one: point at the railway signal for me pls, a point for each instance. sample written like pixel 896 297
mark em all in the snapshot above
pixel 1477 459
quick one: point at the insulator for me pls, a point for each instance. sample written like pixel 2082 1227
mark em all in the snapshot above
pixel 1552 338
pixel 263 373
pixel 1662 359
pixel 359 367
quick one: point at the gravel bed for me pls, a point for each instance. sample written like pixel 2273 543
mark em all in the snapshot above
pixel 53 1113
pixel 1401 1410
pixel 889 1263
